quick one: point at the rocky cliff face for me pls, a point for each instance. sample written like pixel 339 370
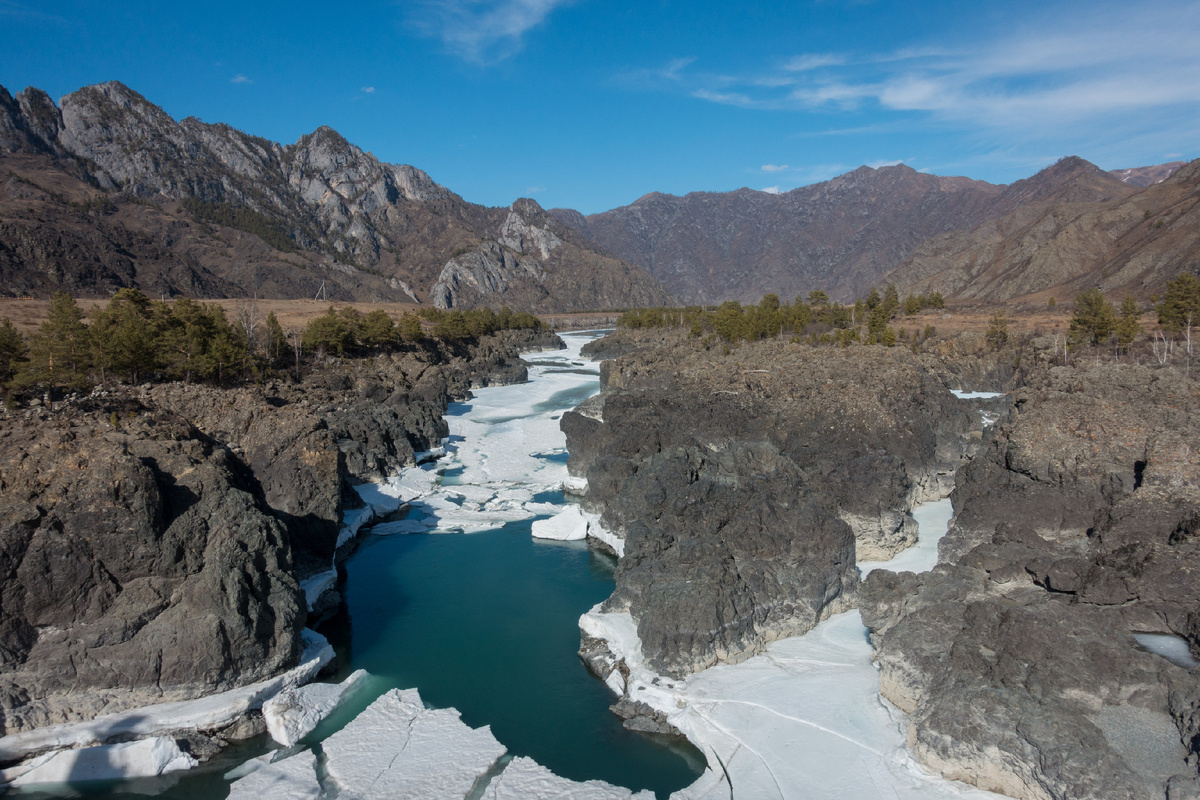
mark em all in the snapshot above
pixel 745 484
pixel 320 209
pixel 1074 529
pixel 154 537
pixel 1121 239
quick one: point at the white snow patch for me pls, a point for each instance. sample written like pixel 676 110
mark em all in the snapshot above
pixel 294 713
pixel 205 713
pixel 965 395
pixel 293 778
pixel 399 748
pixel 1173 648
pixel 568 525
pixel 525 779
pixel 142 759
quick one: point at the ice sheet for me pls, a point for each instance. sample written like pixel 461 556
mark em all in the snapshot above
pixel 525 779
pixel 294 713
pixel 293 778
pixel 933 520
pixel 399 748
pixel 500 453
pixel 142 759
pixel 804 719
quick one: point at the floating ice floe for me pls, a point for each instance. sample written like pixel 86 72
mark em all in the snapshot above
pixel 965 395
pixel 568 525
pixel 294 713
pixel 525 779
pixel 802 719
pixel 206 713
pixel 142 759
pixel 399 748
pixel 293 778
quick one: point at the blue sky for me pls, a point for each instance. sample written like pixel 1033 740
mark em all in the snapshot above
pixel 592 103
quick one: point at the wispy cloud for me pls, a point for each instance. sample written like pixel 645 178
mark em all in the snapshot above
pixel 368 90
pixel 14 10
pixel 534 189
pixel 774 167
pixel 1054 73
pixel 771 190
pixel 481 31
pixel 239 78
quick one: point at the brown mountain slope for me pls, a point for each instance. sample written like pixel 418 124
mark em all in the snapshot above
pixel 198 208
pixel 1147 176
pixel 840 235
pixel 1132 242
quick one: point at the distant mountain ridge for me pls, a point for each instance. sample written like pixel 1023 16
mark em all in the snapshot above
pixel 365 229
pixel 844 236
pixel 1132 242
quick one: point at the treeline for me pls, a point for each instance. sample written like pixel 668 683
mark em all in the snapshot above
pixel 814 318
pixel 134 339
pixel 241 218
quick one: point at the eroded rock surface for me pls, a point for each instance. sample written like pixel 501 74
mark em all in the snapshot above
pixel 1075 528
pixel 744 483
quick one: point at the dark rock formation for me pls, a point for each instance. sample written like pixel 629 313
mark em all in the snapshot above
pixel 140 566
pixel 1075 528
pixel 743 483
pixel 153 537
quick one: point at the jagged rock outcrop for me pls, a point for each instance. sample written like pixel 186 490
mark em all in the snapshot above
pixel 744 483
pixel 139 566
pixel 319 211
pixel 154 537
pixel 1074 529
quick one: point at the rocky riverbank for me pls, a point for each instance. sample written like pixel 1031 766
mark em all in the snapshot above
pixel 743 485
pixel 155 538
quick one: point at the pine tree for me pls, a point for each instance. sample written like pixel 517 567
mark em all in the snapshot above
pixel 59 351
pixel 1127 326
pixel 1094 320
pixel 997 333
pixel 13 350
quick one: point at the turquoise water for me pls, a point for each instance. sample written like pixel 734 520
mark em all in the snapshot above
pixel 488 623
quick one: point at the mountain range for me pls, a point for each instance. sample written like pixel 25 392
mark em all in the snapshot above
pixel 921 232
pixel 105 190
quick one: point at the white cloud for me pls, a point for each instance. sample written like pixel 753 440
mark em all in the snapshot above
pixel 774 167
pixel 240 79
pixel 1173 155
pixel 892 163
pixel 482 31
pixel 1063 70
pixel 811 61
pixel 772 190
pixel 368 89
pixel 534 189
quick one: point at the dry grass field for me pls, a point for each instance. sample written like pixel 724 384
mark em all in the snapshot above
pixel 27 314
